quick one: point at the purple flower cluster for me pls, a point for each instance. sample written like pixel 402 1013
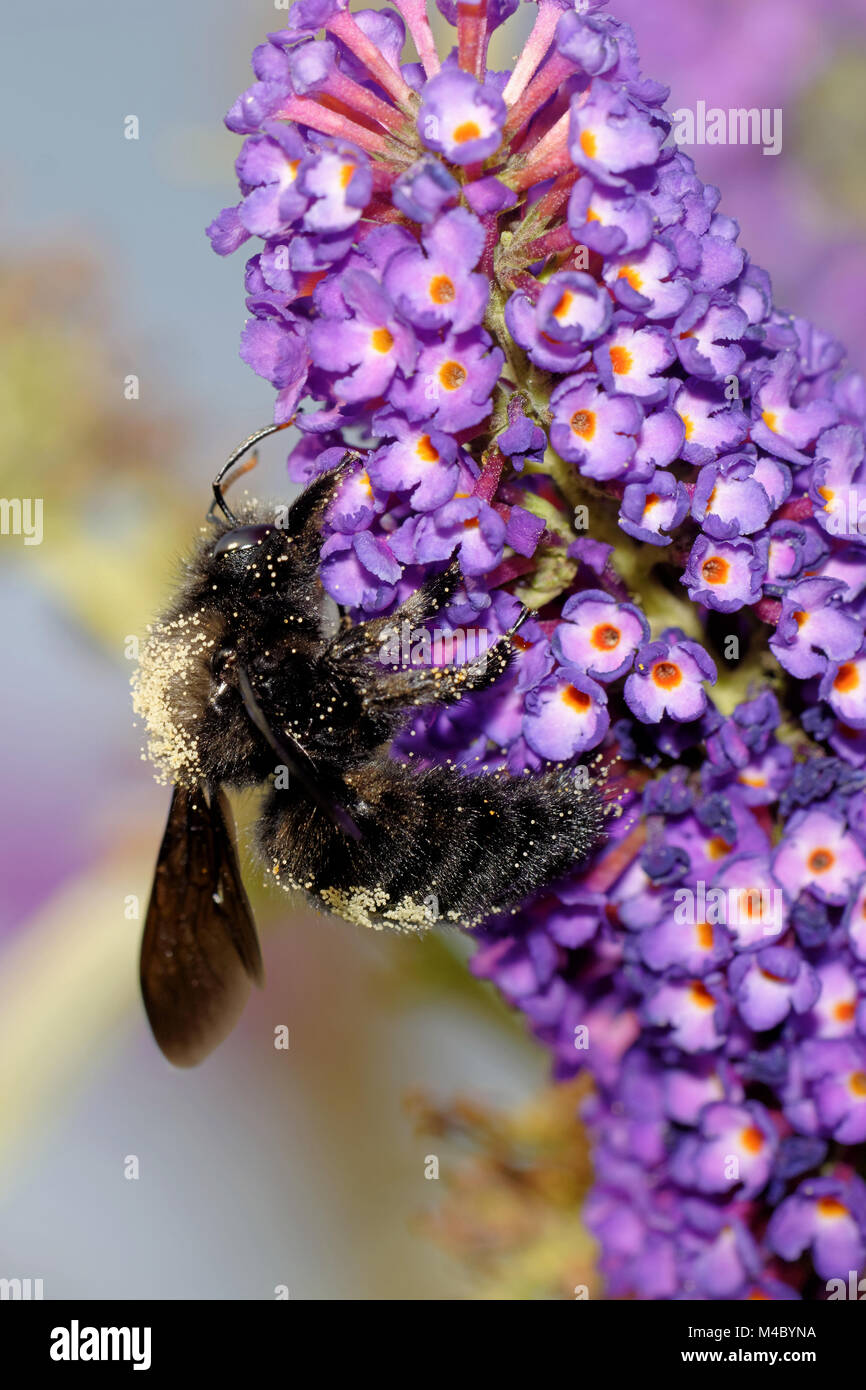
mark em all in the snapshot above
pixel 517 300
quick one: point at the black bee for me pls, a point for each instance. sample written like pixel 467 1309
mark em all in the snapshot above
pixel 245 681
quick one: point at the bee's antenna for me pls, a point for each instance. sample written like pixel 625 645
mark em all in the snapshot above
pixel 219 500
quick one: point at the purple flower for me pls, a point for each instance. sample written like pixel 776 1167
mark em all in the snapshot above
pixel 778 426
pixel 467 525
pixel 276 351
pixel 438 288
pixel 725 574
pixel 419 460
pixel 668 679
pixel 728 499
pixel 522 440
pixel 227 232
pixel 571 310
pixel 359 571
pixel 369 347
pixel 598 635
pixel 836 482
pixel 651 510
pixel 452 382
pixel 460 117
pixel 646 282
pixel 752 899
pixel 818 853
pixel 834 1075
pixel 768 986
pixel 843 686
pixel 827 1216
pixel 712 425
pixel 565 715
pixel 631 360
pixel 733 1147
pixel 424 189
pixel 610 135
pixel 707 337
pixel 692 1010
pixel 591 429
pixel 269 166
pixel 610 221
pixel 814 629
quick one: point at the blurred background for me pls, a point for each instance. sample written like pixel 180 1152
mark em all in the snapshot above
pixel 307 1168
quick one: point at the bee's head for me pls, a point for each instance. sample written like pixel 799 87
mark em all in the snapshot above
pixel 186 691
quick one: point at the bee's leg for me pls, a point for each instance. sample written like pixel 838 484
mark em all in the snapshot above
pixel 304 520
pixel 430 685
pixel 363 639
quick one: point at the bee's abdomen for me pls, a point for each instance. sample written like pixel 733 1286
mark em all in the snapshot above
pixel 436 845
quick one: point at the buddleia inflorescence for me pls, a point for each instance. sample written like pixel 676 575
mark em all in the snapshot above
pixel 513 294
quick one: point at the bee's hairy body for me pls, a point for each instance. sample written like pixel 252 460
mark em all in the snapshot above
pixel 246 681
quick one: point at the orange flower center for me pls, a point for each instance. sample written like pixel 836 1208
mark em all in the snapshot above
pixel 629 273
pixel 847 678
pixel 442 289
pixel 820 860
pixel 752 1139
pixel 425 450
pixel 588 143
pixel 583 423
pixel 715 570
pixel 452 375
pixel 382 340
pixel 621 360
pixel 831 1206
pixel 717 848
pixel 576 699
pixel 605 637
pixel 469 130
pixel 701 996
pixel 667 675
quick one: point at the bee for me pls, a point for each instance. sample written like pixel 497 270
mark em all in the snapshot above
pixel 249 681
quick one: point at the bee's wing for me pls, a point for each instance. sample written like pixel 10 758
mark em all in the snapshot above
pixel 200 949
pixel 330 795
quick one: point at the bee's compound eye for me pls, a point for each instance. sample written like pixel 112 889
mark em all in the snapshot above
pixel 222 663
pixel 241 538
